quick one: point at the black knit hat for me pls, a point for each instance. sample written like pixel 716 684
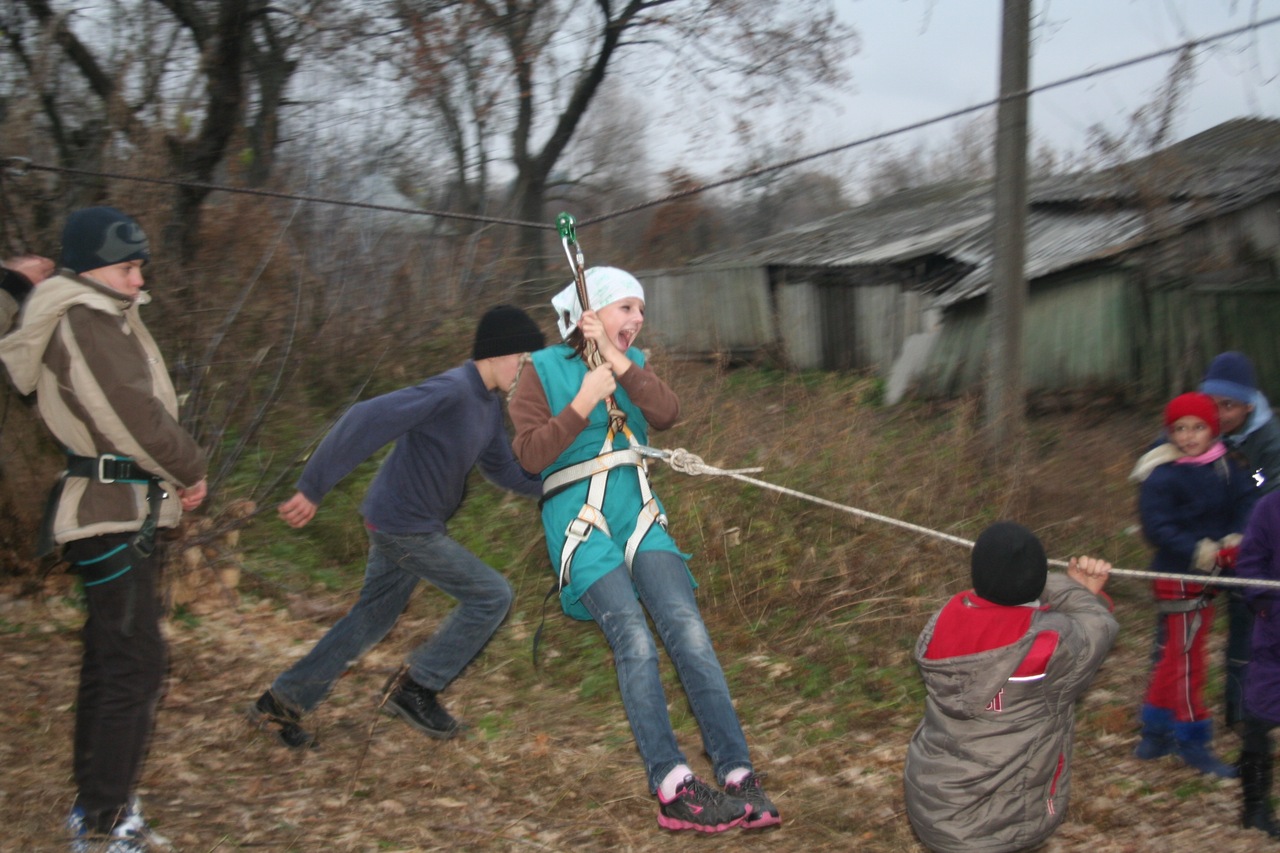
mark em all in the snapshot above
pixel 505 330
pixel 1009 565
pixel 99 237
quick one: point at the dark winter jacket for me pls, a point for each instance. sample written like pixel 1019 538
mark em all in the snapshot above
pixel 1259 559
pixel 989 768
pixel 1182 504
pixel 1258 440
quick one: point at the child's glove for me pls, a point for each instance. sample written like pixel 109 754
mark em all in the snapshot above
pixel 1206 555
pixel 1227 557
pixel 1231 540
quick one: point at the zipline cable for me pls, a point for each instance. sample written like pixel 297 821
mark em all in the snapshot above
pixel 963 111
pixel 17 166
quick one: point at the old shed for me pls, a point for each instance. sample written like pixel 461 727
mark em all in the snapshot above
pixel 1138 275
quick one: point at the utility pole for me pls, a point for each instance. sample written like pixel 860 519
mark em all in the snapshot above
pixel 1007 299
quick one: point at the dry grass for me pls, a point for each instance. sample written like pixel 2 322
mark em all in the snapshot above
pixel 814 612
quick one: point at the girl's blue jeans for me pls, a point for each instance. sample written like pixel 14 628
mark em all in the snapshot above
pixel 396 564
pixel 661 581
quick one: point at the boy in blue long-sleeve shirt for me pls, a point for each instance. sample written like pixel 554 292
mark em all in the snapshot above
pixel 442 428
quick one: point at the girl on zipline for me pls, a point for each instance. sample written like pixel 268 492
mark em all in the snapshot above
pixel 1194 501
pixel 607 535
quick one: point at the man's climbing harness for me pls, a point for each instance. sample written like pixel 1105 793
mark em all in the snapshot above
pixel 113 566
pixel 106 468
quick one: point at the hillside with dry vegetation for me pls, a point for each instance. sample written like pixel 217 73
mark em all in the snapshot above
pixel 814 610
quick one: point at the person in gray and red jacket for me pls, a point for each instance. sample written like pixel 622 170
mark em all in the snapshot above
pixel 989 767
pixel 103 391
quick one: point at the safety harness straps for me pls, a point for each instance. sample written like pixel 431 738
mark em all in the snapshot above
pixel 106 468
pixel 1183 605
pixel 591 515
pixel 570 474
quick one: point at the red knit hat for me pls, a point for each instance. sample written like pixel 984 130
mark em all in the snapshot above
pixel 1196 405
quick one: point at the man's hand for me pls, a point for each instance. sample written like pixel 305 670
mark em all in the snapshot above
pixel 298 510
pixel 192 496
pixel 33 267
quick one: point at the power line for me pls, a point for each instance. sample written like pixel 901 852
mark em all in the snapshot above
pixel 16 166
pixel 888 134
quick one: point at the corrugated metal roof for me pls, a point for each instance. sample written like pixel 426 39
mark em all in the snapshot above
pixel 1072 220
pixel 1055 242
pixel 917 222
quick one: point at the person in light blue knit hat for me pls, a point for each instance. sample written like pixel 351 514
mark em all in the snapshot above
pixel 1251 430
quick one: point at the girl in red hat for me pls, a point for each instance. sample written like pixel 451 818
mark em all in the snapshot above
pixel 1194 502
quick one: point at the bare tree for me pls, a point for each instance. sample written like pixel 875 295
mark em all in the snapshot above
pixel 1150 127
pixel 179 76
pixel 965 155
pixel 681 229
pixel 527 71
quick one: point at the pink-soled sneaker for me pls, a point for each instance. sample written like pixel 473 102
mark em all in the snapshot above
pixel 700 807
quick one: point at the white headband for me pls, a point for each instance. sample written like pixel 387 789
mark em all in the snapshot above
pixel 605 285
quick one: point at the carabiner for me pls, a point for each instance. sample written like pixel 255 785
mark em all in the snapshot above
pixel 565 224
pixel 569 239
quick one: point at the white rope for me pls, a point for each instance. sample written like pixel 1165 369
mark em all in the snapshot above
pixel 688 463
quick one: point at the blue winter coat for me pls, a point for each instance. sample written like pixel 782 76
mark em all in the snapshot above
pixel 1180 504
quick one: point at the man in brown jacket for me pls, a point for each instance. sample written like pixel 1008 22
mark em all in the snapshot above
pixel 104 392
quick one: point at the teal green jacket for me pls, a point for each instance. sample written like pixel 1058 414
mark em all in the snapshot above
pixel 561 376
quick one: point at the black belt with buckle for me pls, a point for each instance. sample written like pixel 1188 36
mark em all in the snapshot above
pixel 107 468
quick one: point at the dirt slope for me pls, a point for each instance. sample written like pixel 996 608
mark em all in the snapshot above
pixel 549 763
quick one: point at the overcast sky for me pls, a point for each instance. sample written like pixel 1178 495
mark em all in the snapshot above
pixel 923 58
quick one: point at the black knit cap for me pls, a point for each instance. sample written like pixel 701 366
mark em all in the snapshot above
pixel 506 330
pixel 99 237
pixel 1009 565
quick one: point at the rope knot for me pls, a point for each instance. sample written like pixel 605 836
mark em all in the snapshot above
pixel 686 462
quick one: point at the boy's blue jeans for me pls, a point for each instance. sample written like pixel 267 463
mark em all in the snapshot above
pixel 396 564
pixel 663 585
